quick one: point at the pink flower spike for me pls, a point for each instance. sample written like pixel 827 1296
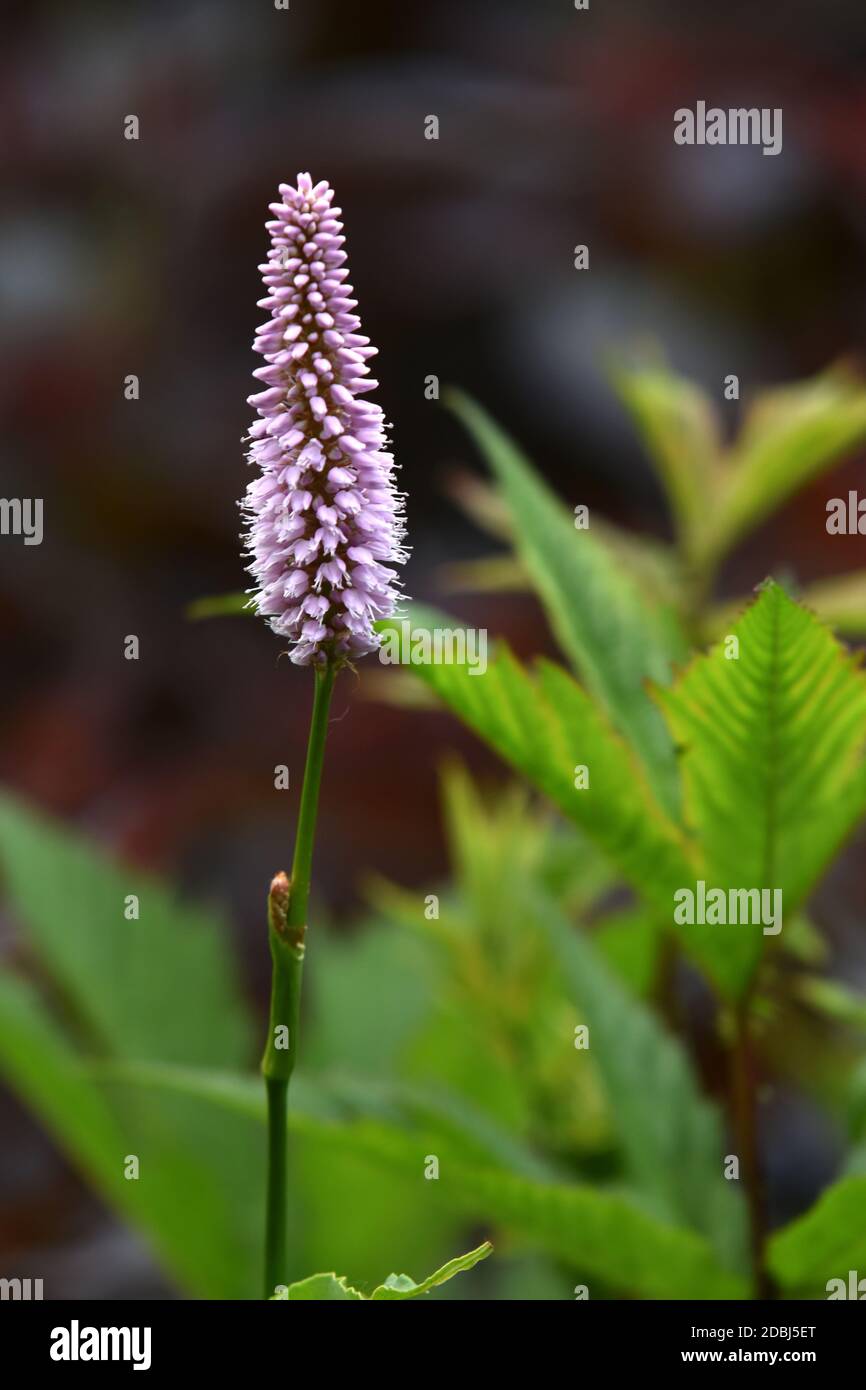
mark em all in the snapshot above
pixel 323 516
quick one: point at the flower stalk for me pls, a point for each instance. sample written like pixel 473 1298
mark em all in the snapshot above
pixel 288 902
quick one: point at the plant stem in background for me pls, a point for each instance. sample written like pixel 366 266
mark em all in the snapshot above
pixel 287 924
pixel 745 1129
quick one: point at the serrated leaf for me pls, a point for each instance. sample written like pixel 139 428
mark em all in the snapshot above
pixel 614 639
pixel 772 762
pixel 544 725
pixel 671 1136
pixel 840 602
pixel 605 1233
pixel 160 987
pixel 401 1286
pixel 397 1286
pixel 323 1287
pixel 824 1244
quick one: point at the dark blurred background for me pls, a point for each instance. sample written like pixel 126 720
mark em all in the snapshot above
pixel 121 257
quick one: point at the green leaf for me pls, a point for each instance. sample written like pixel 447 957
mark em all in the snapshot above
pixel 161 987
pixel 348 977
pixel 680 431
pixel 671 1137
pixel 326 1287
pixel 369 1108
pixel 839 602
pixel 824 1244
pixel 401 1286
pixel 500 993
pixel 772 762
pixel 350 1213
pixel 614 639
pixel 198 1195
pixel 833 999
pixel 496 844
pixel 790 436
pixel 39 1063
pixel 220 606
pixel 545 726
pixel 605 1233
pixel 202 1214
pixel 199 1139
pixel 491 574
pixel 396 1286
pixel 628 941
pixel 649 564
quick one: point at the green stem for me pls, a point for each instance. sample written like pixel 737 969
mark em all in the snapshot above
pixel 303 860
pixel 276 1209
pixel 745 1128
pixel 287 926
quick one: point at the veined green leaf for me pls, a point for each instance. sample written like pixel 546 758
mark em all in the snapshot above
pixel 672 1138
pixel 545 726
pixel 157 986
pixel 773 742
pixel 614 639
pixel 824 1244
